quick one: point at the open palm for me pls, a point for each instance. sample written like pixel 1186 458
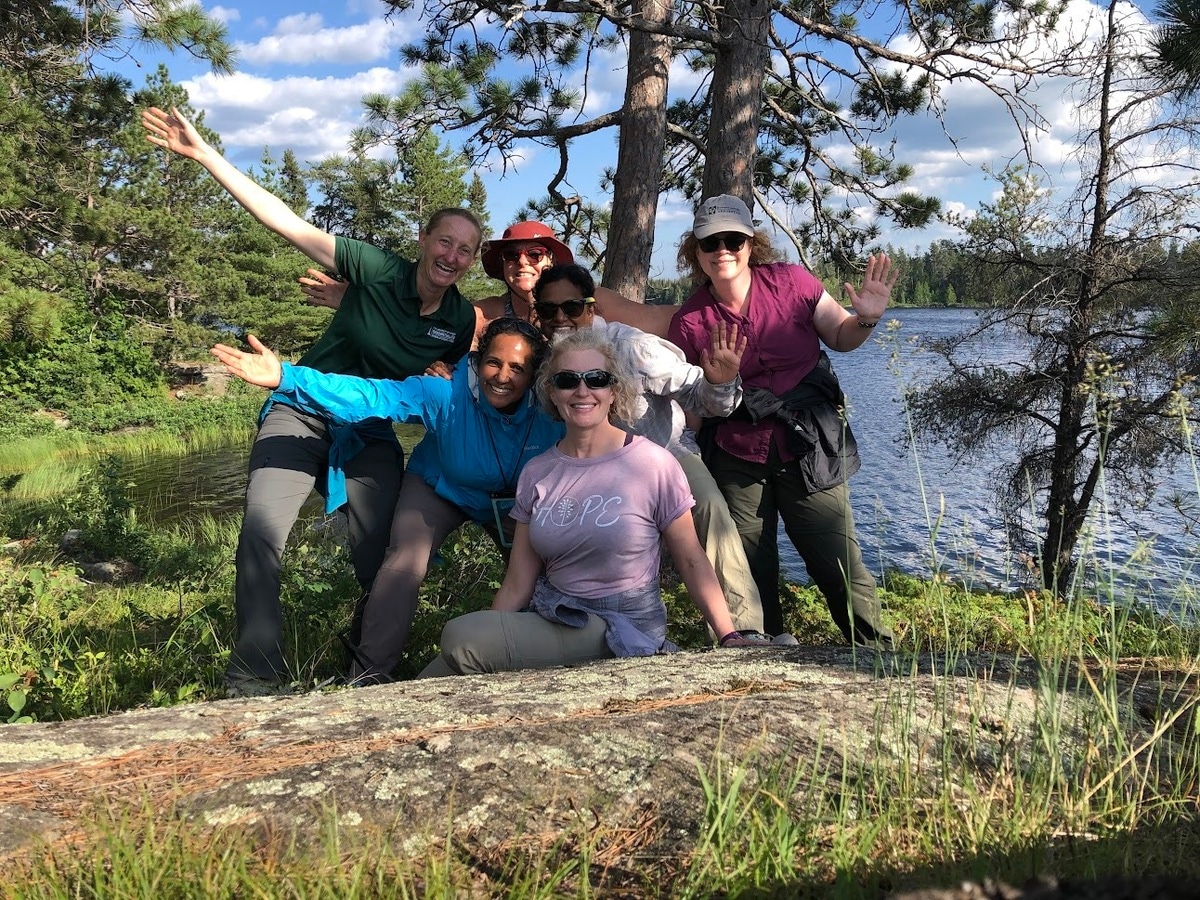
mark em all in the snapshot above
pixel 261 367
pixel 873 298
pixel 722 360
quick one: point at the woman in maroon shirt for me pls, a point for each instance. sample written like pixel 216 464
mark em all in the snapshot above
pixel 788 450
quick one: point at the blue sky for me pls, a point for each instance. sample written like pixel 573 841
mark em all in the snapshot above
pixel 303 66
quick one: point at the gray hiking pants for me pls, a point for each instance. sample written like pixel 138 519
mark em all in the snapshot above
pixel 289 458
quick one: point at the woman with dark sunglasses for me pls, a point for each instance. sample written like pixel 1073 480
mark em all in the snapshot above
pixel 787 451
pixel 483 425
pixel 671 387
pixel 592 513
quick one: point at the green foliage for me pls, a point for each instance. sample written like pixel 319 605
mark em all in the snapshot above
pixel 360 199
pixel 74 650
pixel 805 102
pixel 91 361
pixel 1175 57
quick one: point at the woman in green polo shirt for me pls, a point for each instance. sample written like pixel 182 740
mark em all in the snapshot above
pixel 400 318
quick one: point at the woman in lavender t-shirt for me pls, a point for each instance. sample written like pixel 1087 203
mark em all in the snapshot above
pixel 591 513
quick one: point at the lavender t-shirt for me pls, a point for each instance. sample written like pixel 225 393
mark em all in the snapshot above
pixel 597 522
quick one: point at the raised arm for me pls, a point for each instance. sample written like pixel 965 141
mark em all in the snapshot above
pixel 667 373
pixel 841 330
pixel 173 132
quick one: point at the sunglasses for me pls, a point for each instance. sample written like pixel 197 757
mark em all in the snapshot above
pixel 573 309
pixel 525 329
pixel 534 254
pixel 733 242
pixel 566 380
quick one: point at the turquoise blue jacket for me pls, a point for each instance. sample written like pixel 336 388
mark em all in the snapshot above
pixel 470 448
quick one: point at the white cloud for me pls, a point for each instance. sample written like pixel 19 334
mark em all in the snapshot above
pixel 299 23
pixel 225 14
pixel 312 116
pixel 302 39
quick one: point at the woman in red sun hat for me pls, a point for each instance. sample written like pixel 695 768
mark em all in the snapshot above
pixel 517 258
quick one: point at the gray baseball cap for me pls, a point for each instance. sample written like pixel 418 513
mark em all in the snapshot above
pixel 722 213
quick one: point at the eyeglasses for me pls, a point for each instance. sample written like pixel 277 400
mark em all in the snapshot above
pixel 733 242
pixel 566 380
pixel 524 328
pixel 573 309
pixel 534 254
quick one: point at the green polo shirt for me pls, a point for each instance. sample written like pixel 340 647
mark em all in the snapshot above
pixel 378 331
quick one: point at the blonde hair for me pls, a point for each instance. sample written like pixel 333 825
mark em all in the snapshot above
pixel 626 390
pixel 688 259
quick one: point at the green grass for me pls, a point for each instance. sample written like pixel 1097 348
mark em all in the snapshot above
pixel 1078 799
pixel 144 428
pixel 1082 799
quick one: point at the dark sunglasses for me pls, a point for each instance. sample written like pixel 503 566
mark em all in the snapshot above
pixel 733 242
pixel 534 254
pixel 566 380
pixel 573 309
pixel 526 329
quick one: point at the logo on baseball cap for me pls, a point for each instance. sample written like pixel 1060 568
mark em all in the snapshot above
pixel 722 213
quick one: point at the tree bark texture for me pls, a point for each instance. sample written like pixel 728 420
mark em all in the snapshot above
pixel 639 159
pixel 741 64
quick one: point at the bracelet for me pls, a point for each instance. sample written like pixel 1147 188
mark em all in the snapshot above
pixel 728 637
pixel 862 324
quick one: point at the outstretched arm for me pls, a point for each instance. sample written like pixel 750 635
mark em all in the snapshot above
pixel 340 398
pixel 650 318
pixel 321 290
pixel 173 132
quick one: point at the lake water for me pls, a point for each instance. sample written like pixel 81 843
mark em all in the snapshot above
pixel 916 506
pixel 896 495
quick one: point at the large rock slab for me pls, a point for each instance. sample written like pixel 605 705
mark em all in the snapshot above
pixel 621 743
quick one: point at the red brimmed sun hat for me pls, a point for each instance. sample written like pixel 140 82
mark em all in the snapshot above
pixel 520 232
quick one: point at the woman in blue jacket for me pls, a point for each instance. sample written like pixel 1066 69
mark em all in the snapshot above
pixel 482 426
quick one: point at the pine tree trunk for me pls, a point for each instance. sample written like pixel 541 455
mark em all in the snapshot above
pixel 741 64
pixel 639 169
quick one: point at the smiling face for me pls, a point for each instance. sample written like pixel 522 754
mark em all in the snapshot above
pixel 523 262
pixel 582 407
pixel 557 293
pixel 722 264
pixel 447 252
pixel 505 371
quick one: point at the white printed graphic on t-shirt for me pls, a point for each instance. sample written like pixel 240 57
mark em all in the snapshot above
pixel 567 511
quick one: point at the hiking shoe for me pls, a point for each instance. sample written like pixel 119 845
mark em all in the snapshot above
pixel 748 638
pixel 785 640
pixel 237 686
pixel 755 637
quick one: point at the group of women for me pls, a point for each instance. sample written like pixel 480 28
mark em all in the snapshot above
pixel 534 442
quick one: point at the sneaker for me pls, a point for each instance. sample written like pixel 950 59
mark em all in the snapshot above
pixel 755 637
pixel 248 686
pixel 785 640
